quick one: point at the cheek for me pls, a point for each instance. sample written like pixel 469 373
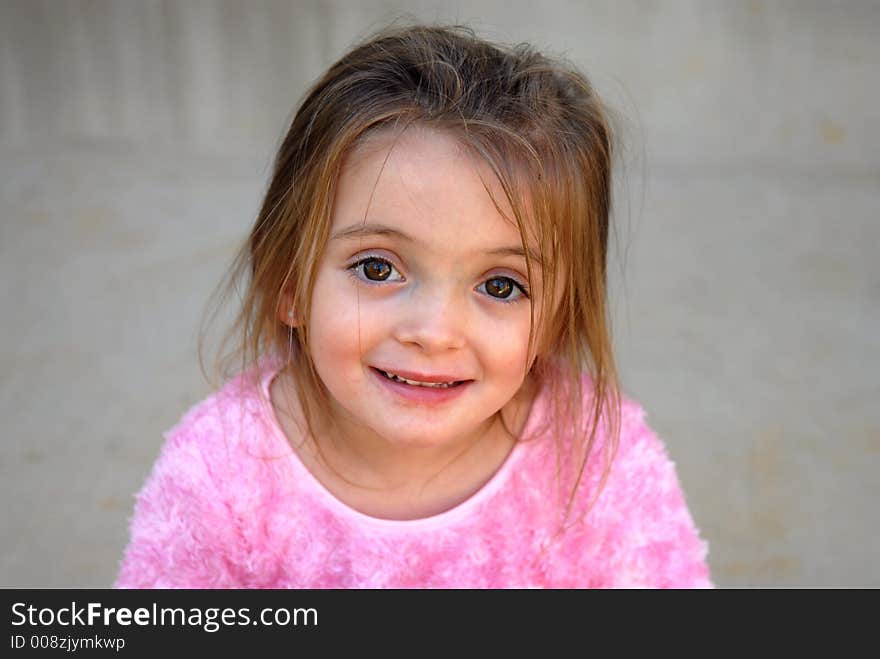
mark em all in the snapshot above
pixel 332 321
pixel 341 325
pixel 504 345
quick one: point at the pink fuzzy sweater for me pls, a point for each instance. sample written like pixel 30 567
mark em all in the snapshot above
pixel 229 505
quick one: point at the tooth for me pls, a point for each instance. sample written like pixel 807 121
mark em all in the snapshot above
pixel 415 383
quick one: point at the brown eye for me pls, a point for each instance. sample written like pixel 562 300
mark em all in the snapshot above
pixel 504 289
pixel 377 270
pixel 373 268
pixel 499 287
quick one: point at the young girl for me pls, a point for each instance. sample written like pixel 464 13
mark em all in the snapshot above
pixel 428 396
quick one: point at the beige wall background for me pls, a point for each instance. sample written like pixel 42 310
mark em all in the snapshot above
pixel 135 139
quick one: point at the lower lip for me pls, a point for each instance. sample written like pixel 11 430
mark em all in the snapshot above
pixel 423 395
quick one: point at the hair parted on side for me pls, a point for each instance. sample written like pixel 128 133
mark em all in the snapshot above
pixel 542 130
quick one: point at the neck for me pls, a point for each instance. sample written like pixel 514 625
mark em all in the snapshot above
pixel 364 457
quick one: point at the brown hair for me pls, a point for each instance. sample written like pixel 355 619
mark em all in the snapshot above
pixel 542 130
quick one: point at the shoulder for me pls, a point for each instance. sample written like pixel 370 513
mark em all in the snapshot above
pixel 642 479
pixel 640 452
pixel 648 522
pixel 635 530
pixel 636 447
pixel 230 418
pixel 220 446
pixel 186 529
pixel 622 428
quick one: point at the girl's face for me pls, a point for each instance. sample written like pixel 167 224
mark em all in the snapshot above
pixel 424 280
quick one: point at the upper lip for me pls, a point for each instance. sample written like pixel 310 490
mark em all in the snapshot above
pixel 422 377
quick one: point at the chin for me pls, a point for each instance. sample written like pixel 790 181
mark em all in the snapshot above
pixel 419 439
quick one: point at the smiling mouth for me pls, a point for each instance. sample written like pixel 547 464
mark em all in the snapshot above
pixel 416 383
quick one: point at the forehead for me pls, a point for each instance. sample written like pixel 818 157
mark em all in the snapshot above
pixel 426 184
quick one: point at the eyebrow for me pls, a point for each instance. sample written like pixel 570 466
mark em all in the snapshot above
pixel 370 230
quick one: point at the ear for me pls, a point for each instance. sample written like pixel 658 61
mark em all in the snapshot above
pixel 286 313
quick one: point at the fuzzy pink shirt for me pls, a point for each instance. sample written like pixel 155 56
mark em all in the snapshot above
pixel 230 505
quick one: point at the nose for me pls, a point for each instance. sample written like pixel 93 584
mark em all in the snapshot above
pixel 432 319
